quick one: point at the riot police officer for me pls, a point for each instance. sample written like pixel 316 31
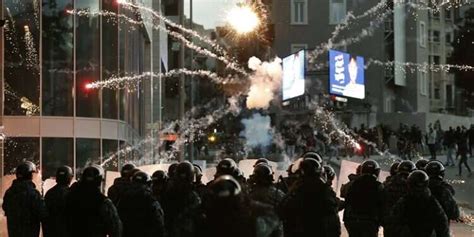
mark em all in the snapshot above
pixel 310 208
pixel 395 188
pixel 441 190
pixel 55 200
pixel 364 202
pixel 181 204
pixel 418 213
pixel 262 188
pixel 140 212
pixel 122 183
pixel 231 214
pixel 159 182
pixel 89 212
pixel 23 205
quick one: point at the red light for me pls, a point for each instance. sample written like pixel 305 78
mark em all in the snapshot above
pixel 88 86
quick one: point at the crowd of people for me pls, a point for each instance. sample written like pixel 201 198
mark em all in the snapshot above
pixel 413 201
pixel 408 142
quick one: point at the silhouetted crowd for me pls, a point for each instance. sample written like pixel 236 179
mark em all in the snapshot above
pixel 414 201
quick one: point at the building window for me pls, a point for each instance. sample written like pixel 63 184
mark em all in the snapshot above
pixel 87 153
pixel 437 93
pixel 110 153
pixel 109 58
pixel 58 76
pixel 435 60
pixel 423 83
pixel 449 96
pixel 449 38
pixel 298 47
pixel 337 11
pixel 18 150
pixel 56 153
pixel 435 37
pixel 448 14
pixel 299 12
pixel 21 55
pixel 87 59
pixel 422 34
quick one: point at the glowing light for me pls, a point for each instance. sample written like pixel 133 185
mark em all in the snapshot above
pixel 358 147
pixel 121 1
pixel 243 19
pixel 212 138
pixel 88 86
pixel 26 28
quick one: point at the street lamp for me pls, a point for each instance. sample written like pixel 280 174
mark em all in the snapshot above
pixel 243 19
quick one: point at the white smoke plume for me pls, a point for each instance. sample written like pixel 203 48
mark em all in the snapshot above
pixel 265 82
pixel 257 131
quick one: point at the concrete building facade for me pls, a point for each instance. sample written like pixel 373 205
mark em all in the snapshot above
pixel 382 34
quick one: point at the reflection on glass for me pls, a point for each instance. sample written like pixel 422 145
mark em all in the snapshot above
pixel 87 153
pixel 109 149
pixel 56 153
pixel 87 59
pixel 58 65
pixel 20 149
pixel 21 57
pixel 109 58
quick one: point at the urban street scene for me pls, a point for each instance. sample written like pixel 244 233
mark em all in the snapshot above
pixel 236 118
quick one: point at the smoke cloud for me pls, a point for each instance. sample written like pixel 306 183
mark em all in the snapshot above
pixel 265 82
pixel 257 131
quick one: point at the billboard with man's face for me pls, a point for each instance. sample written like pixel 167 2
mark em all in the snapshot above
pixel 346 75
pixel 293 75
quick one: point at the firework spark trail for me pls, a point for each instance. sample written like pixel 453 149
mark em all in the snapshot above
pixel 26 104
pixel 130 82
pixel 364 32
pixel 171 23
pixel 333 128
pixel 10 35
pixel 196 125
pixel 423 67
pixel 368 31
pixel 349 19
pixel 189 128
pixel 31 53
pixel 231 65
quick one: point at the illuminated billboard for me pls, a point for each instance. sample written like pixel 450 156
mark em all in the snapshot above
pixel 346 75
pixel 293 75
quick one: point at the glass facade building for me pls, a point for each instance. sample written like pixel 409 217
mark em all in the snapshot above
pixel 50 54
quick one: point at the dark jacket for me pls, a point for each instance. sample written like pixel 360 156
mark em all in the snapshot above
pixel 394 189
pixel 310 210
pixel 269 195
pixel 241 218
pixel 90 213
pixel 55 200
pixel 182 208
pixel 141 213
pixel 420 215
pixel 346 186
pixel 444 194
pixel 24 209
pixel 117 189
pixel 364 201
